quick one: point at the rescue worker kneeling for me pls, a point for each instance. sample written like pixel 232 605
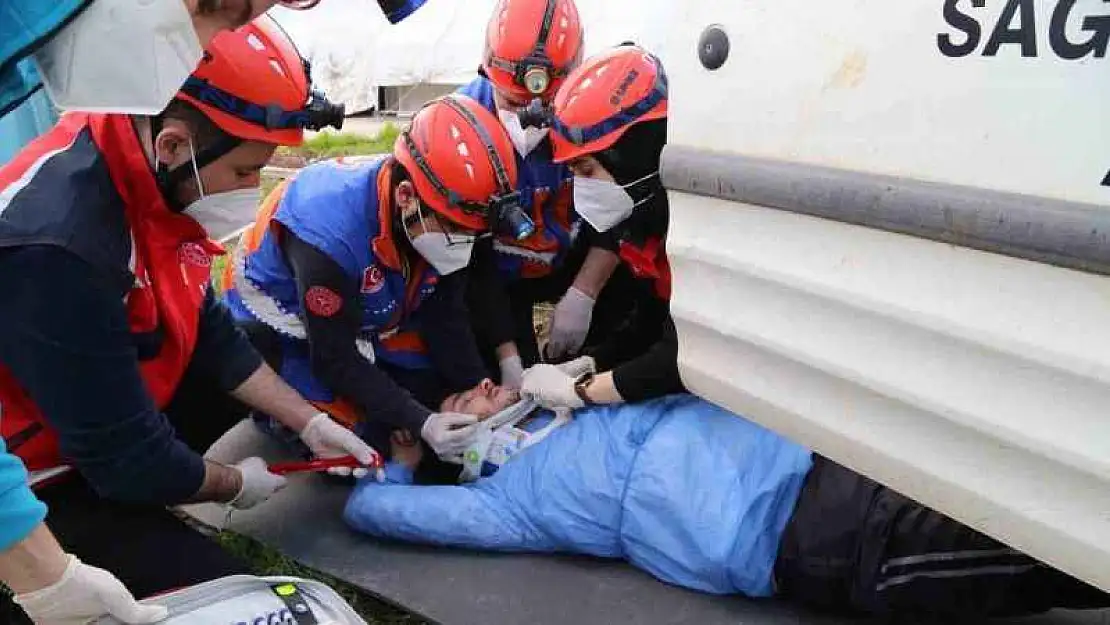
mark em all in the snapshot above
pixel 118 365
pixel 351 282
pixel 609 127
pixel 545 255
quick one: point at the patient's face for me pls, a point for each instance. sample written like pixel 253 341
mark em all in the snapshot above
pixel 484 400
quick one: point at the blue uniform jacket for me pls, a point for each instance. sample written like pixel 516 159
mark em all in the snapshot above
pixel 333 206
pixel 546 193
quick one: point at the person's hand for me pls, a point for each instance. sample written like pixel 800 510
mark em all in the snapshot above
pixel 579 366
pixel 512 371
pixel 85 593
pixel 328 439
pixel 450 433
pixel 258 484
pixel 570 324
pixel 550 387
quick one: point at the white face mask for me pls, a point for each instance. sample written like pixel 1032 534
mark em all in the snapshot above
pixel 222 215
pixel 446 254
pixel 603 203
pixel 524 139
pixel 121 56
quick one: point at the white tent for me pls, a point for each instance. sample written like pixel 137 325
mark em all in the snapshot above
pixel 354 50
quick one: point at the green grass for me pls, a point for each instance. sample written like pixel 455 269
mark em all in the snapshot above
pixel 331 144
pixel 265 561
pixel 268 184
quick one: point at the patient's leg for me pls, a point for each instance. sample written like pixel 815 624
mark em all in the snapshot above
pixel 929 563
pixel 853 544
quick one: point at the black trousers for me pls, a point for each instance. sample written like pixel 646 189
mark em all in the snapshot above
pixel 855 546
pixel 147 547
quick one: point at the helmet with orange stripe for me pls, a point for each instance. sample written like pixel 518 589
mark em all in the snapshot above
pixel 251 87
pixel 531 46
pixel 609 123
pixel 254 85
pixel 462 165
pixel 610 93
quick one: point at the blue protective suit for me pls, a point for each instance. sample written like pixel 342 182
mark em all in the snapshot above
pixel 24 25
pixel 683 489
pixel 25 110
pixel 20 512
pixel 33 117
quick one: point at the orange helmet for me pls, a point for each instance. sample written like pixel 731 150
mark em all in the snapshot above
pixel 603 98
pixel 531 46
pixel 255 86
pixel 461 161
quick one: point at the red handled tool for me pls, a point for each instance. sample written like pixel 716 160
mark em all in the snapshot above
pixel 323 464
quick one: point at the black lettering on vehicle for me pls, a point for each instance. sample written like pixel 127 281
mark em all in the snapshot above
pixel 1097 25
pixel 1024 35
pixel 1106 180
pixel 1017 27
pixel 964 23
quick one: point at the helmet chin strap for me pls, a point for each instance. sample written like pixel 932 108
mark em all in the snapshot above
pixel 169 179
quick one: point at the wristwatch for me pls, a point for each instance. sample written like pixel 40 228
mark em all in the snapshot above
pixel 580 385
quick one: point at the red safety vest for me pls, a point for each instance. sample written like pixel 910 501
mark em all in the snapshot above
pixel 171 260
pixel 649 262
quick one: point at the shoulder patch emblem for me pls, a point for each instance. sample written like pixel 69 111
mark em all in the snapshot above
pixel 373 280
pixel 191 253
pixel 322 301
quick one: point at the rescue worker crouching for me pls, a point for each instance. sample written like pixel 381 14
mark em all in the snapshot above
pixel 543 258
pixel 118 364
pixel 351 281
pixel 610 126
pixel 51 585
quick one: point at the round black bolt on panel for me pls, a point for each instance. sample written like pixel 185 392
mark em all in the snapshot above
pixel 713 47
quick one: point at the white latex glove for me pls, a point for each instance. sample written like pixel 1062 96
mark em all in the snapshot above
pixel 450 433
pixel 328 439
pixel 550 387
pixel 579 366
pixel 570 324
pixel 85 593
pixel 258 484
pixel 512 371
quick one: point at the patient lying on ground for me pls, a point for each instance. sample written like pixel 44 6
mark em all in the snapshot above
pixel 702 498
